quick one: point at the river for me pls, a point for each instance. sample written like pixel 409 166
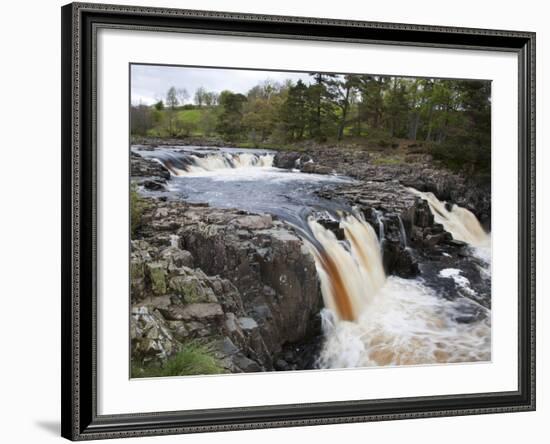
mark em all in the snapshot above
pixel 369 319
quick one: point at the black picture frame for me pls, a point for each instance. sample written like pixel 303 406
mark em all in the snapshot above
pixel 80 22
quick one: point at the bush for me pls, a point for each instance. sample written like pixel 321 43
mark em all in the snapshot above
pixel 138 205
pixel 192 359
pixel 379 139
pixel 463 156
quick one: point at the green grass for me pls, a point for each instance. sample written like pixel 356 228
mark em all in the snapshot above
pixel 192 359
pixel 387 161
pixel 190 115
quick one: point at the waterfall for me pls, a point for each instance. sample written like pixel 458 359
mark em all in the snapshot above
pixel 181 163
pixel 373 320
pixel 408 324
pixel 402 232
pixel 460 222
pixel 351 273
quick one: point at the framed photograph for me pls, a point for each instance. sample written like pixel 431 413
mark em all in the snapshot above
pixel 278 221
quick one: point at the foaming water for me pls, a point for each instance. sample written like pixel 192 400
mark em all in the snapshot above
pixel 408 324
pixel 460 222
pixel 371 320
pixel 193 161
pixel 215 162
pixel 350 277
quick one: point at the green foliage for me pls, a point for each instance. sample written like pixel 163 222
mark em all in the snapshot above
pixel 294 112
pixel 192 359
pixel 138 205
pixel 230 124
pixel 451 116
pixel 187 122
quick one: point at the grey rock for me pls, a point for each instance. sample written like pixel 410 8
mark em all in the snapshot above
pixel 156 271
pixel 179 258
pixel 247 324
pixel 286 159
pixel 198 312
pixel 245 364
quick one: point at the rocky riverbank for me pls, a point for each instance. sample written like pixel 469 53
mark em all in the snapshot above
pixel 242 282
pixel 414 170
pixel 413 243
pixel 246 285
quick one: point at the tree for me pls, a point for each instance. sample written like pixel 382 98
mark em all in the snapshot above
pixel 261 113
pixel 265 90
pixel 211 98
pixel 172 102
pixel 453 116
pixel 321 106
pixel 230 118
pixel 397 107
pixel 372 90
pixel 294 111
pixel 141 119
pixel 342 91
pixel 200 96
pixel 415 106
pixel 182 96
pixel 172 97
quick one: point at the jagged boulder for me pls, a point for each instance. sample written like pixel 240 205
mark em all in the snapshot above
pixel 286 159
pixel 141 167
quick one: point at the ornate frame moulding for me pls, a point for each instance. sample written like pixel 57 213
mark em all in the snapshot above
pixel 80 22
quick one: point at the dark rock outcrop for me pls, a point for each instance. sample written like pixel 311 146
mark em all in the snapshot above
pixel 418 171
pixel 412 243
pixel 254 286
pixel 147 173
pixel 286 159
pixel 245 282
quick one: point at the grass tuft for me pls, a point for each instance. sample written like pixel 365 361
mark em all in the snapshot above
pixel 192 359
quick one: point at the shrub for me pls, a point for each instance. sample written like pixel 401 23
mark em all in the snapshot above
pixel 192 359
pixel 463 156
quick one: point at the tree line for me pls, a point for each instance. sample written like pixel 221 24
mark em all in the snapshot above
pixel 453 117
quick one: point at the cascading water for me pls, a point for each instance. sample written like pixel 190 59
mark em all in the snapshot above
pixel 369 319
pixel 189 162
pixel 460 222
pixel 406 324
pixel 395 321
pixel 402 232
pixel 350 277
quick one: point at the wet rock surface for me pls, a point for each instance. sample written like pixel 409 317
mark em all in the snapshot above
pixel 412 243
pixel 417 172
pixel 150 175
pixel 245 282
pixel 253 285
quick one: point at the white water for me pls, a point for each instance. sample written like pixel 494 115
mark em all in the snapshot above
pixel 407 324
pixel 460 222
pixel 222 161
pixel 350 277
pixel 371 320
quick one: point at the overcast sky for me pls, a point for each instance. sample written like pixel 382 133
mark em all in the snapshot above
pixel 150 83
